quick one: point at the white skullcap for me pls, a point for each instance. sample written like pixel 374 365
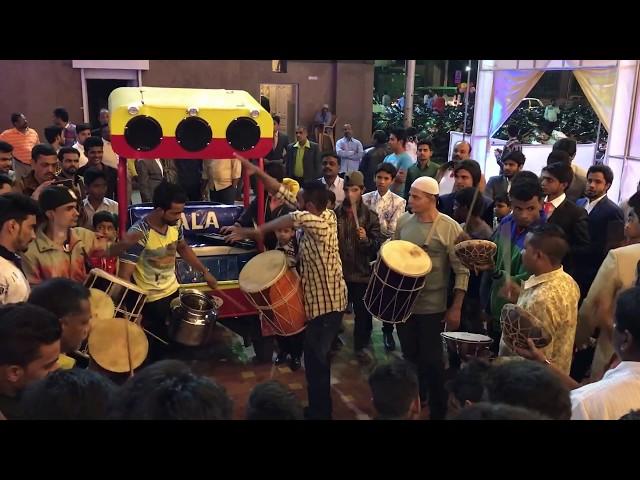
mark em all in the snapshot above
pixel 426 185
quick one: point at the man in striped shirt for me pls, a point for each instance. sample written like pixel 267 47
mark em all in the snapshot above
pixel 23 139
pixel 324 289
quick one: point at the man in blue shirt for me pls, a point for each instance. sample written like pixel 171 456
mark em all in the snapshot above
pixel 399 159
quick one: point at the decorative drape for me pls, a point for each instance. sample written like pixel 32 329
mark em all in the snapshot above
pixel 509 88
pixel 599 86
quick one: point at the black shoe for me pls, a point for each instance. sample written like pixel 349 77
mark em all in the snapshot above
pixel 389 342
pixel 280 359
pixel 294 364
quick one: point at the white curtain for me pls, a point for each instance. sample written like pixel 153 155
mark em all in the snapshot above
pixel 599 87
pixel 509 88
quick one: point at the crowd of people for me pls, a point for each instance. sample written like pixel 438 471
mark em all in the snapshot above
pixel 566 254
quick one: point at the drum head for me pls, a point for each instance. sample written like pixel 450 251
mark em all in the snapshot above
pixel 101 304
pixel 262 271
pixel 518 325
pixel 466 337
pixel 405 258
pixel 108 344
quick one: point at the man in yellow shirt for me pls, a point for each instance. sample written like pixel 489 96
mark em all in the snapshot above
pixel 303 161
pixel 152 260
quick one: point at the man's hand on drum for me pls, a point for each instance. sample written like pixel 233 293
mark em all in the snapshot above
pixel 531 352
pixel 452 318
pixel 510 290
pixel 464 236
pixel 241 233
pixel 249 167
pixel 211 280
pixel 362 233
pixel 485 267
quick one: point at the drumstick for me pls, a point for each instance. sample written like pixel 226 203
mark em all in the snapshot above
pixel 505 238
pixel 230 299
pixel 476 193
pixel 126 328
pixel 355 217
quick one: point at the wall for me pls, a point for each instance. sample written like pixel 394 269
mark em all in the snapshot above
pixel 353 100
pixel 35 88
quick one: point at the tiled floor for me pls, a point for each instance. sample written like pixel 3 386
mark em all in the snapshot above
pixel 230 363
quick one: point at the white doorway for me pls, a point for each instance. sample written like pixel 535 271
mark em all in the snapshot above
pixel 97 85
pixel 283 100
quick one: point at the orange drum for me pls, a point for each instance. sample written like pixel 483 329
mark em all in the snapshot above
pixel 275 290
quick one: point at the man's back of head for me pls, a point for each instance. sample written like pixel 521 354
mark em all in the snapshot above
pixel 527 384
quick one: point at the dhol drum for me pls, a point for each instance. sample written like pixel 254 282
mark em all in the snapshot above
pixel 474 253
pixel 128 299
pixel 101 304
pixel 117 347
pixel 398 277
pixel 275 291
pixel 518 325
pixel 193 315
pixel 101 307
pixel 467 345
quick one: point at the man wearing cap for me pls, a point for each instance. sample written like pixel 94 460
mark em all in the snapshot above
pixel 419 336
pixel 323 117
pixel 61 249
pixel 358 243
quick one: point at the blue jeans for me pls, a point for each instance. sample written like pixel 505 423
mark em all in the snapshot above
pixel 319 336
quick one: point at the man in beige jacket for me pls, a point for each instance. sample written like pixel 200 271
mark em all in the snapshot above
pixel 617 273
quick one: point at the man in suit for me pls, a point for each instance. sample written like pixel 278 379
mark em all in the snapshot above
pixel 302 160
pixel 466 174
pixel 561 211
pixel 280 142
pixel 512 163
pixel 150 175
pixel 277 153
pixel 606 224
pixel 579 183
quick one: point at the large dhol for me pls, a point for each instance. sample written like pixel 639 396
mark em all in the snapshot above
pixel 398 278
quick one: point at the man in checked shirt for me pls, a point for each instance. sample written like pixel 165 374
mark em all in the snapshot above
pixel 323 286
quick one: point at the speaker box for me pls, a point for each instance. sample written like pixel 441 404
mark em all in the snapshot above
pixel 151 122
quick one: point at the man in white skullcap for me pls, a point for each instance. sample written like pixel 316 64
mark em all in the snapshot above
pixel 419 336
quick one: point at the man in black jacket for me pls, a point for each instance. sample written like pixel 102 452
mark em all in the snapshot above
pixel 280 142
pixel 467 173
pixel 374 157
pixel 273 208
pixel 358 242
pixel 606 224
pixel 512 163
pixel 306 165
pixel 555 179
